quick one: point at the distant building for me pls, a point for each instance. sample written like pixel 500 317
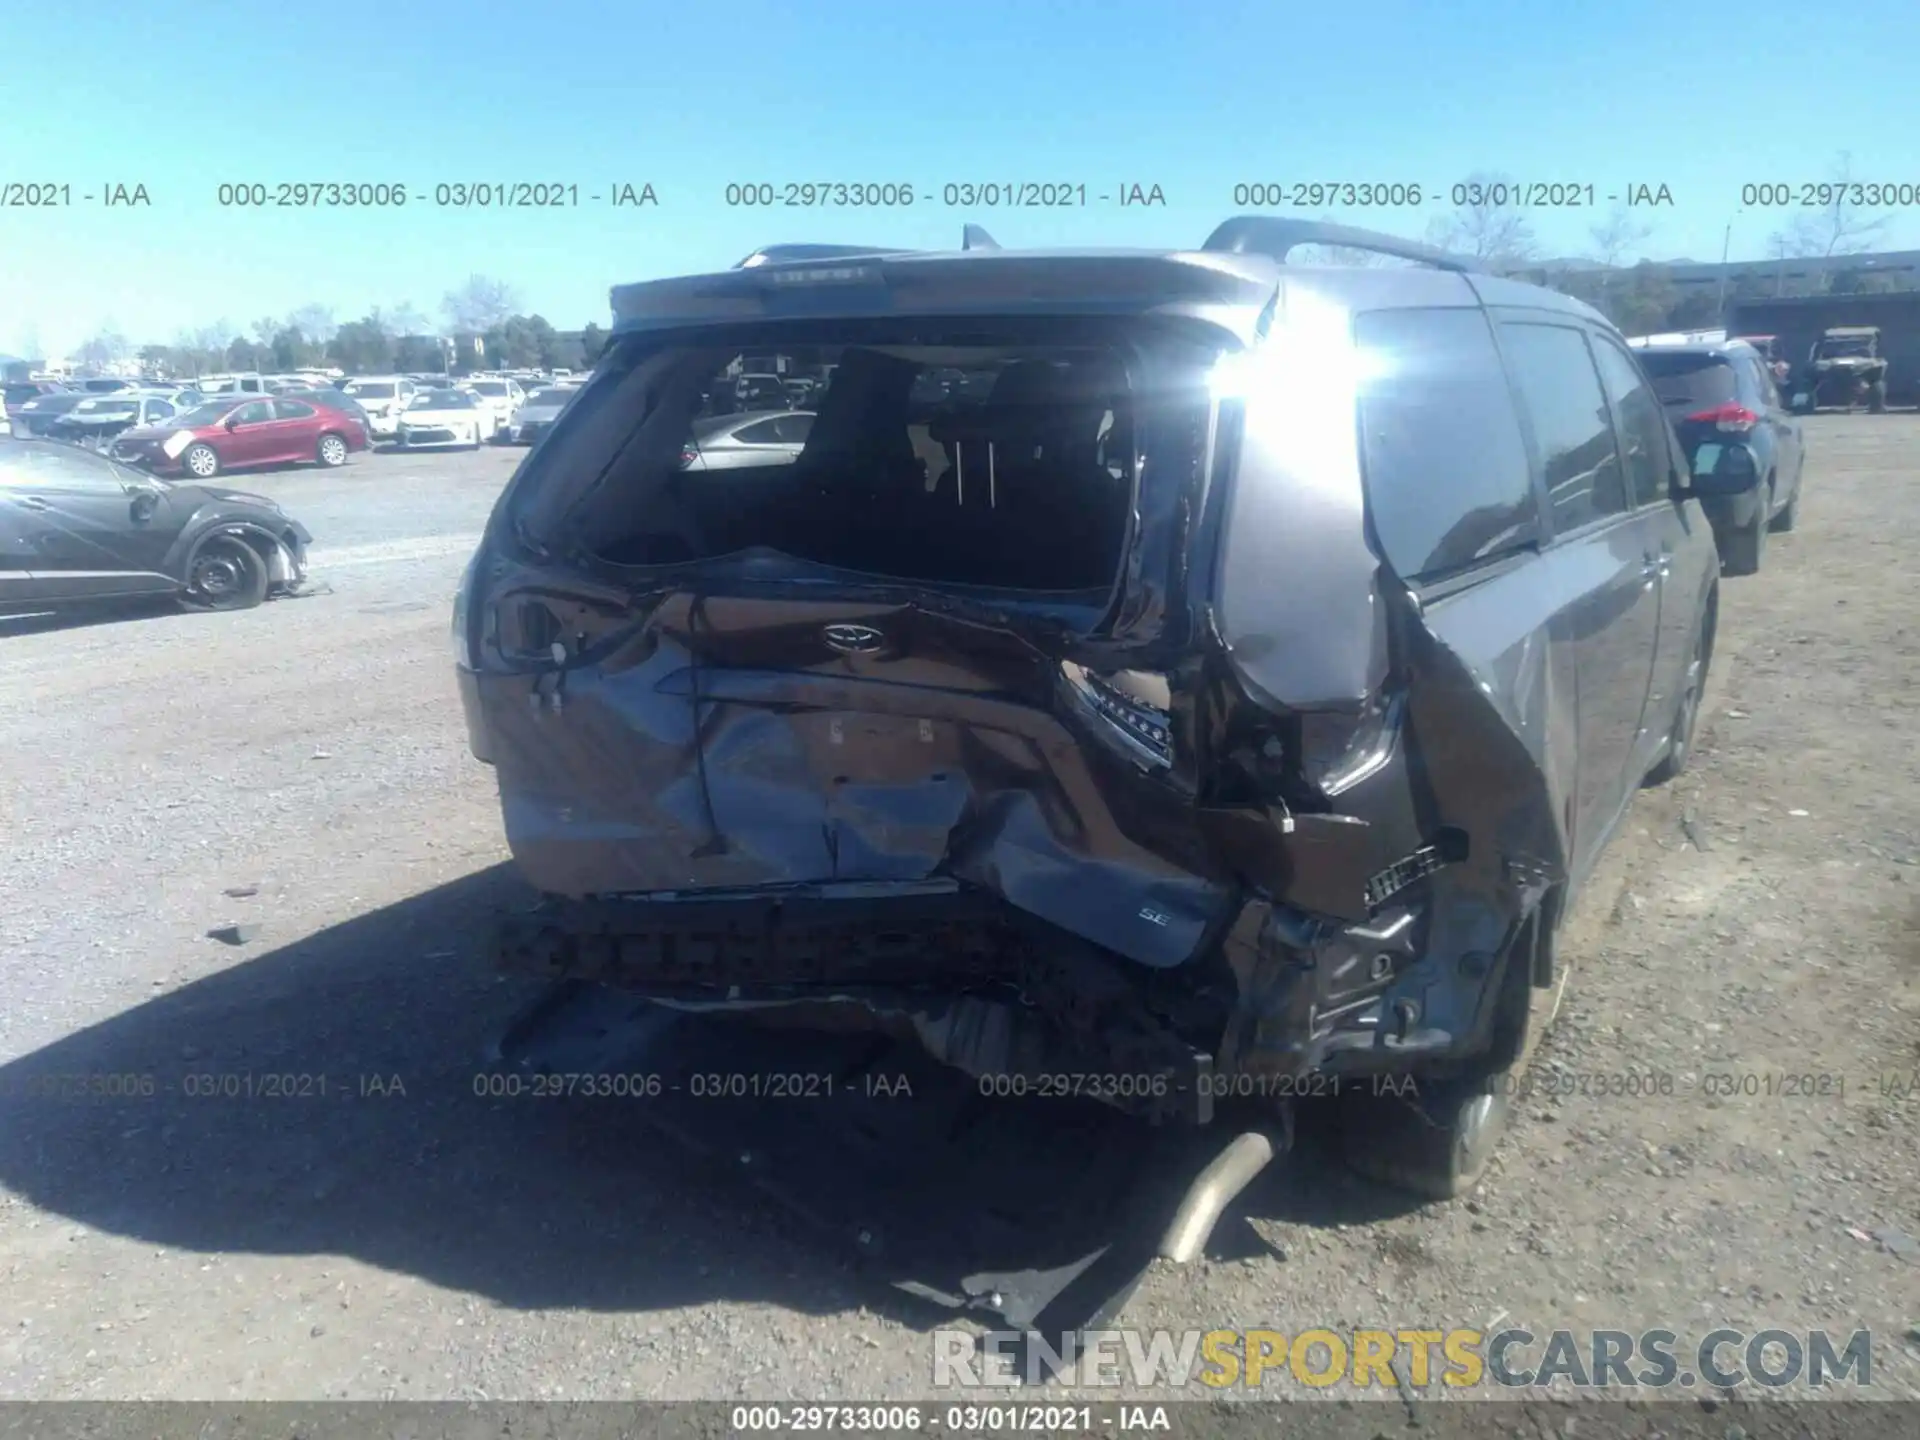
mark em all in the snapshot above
pixel 1793 275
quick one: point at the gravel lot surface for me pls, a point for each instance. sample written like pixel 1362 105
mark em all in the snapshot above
pixel 302 768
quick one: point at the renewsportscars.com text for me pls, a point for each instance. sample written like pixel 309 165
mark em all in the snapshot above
pixel 1510 1358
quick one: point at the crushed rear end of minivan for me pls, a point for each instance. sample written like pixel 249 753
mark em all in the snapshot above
pixel 1038 705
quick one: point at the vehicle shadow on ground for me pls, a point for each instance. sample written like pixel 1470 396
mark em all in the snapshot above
pixel 87 617
pixel 322 1099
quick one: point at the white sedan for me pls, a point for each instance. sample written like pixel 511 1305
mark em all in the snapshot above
pixel 446 417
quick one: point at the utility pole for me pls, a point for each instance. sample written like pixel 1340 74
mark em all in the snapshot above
pixel 1720 300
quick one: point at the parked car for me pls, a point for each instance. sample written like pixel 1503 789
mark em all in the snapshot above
pixel 97 419
pixel 18 393
pixel 1199 706
pixel 734 442
pixel 502 397
pixel 537 414
pixel 1773 355
pixel 759 392
pixel 437 418
pixel 36 415
pixel 234 385
pixel 1732 423
pixel 241 431
pixel 77 529
pixel 382 397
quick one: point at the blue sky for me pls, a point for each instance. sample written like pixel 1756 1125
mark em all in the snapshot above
pixel 1194 97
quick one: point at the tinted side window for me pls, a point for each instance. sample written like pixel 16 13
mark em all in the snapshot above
pixel 1446 467
pixel 1643 423
pixel 762 434
pixel 793 429
pixel 291 410
pixel 1561 390
pixel 257 413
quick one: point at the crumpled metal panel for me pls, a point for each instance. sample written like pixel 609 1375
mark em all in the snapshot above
pixel 613 793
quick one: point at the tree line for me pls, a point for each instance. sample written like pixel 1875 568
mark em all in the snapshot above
pixel 381 341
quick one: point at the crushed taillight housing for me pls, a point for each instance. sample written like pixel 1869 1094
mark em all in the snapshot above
pixel 1733 417
pixel 1143 728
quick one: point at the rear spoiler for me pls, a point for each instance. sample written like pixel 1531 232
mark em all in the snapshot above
pixel 795 279
pixel 1276 239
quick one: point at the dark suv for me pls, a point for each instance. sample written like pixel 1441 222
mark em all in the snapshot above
pixel 1184 698
pixel 1727 410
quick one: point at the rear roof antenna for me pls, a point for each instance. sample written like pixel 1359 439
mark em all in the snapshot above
pixel 975 238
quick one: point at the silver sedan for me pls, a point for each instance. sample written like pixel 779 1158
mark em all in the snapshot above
pixel 737 442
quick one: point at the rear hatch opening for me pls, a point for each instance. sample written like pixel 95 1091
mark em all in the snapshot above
pixel 972 461
pixel 924 631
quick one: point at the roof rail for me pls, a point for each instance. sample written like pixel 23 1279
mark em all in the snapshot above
pixel 1266 235
pixel 775 254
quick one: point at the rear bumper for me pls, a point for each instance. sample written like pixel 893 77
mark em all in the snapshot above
pixel 983 989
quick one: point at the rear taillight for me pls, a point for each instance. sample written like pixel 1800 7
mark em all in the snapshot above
pixel 1733 417
pixel 688 454
pixel 1133 704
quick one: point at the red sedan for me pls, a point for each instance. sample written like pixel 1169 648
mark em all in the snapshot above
pixel 237 432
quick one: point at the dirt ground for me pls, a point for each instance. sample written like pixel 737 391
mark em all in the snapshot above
pixel 383 1231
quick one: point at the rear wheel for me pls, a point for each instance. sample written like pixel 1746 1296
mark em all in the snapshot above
pixel 1434 1137
pixel 201 461
pixel 227 574
pixel 1686 715
pixel 1788 517
pixel 331 451
pixel 1748 548
pixel 1877 398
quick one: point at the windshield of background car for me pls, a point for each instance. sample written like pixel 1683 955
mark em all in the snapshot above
pixel 495 388
pixel 548 397
pixel 371 389
pixel 442 400
pixel 106 405
pixel 1690 381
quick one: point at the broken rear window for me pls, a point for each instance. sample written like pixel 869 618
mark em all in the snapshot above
pixel 978 459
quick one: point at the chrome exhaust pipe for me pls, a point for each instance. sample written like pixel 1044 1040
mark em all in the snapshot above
pixel 1212 1190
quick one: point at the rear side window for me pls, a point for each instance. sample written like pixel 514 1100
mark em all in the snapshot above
pixel 1446 468
pixel 1572 427
pixel 1643 424
pixel 1691 381
pixel 291 410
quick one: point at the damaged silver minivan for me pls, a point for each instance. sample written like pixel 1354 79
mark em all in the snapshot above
pixel 1191 673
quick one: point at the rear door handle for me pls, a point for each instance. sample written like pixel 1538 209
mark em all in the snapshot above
pixel 1658 567
pixel 34 502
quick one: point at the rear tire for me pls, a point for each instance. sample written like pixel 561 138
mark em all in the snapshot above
pixel 1437 1138
pixel 1686 717
pixel 1877 399
pixel 1746 548
pixel 201 461
pixel 227 574
pixel 1788 517
pixel 331 451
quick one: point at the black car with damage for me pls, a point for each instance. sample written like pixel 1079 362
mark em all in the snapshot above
pixel 1184 670
pixel 78 529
